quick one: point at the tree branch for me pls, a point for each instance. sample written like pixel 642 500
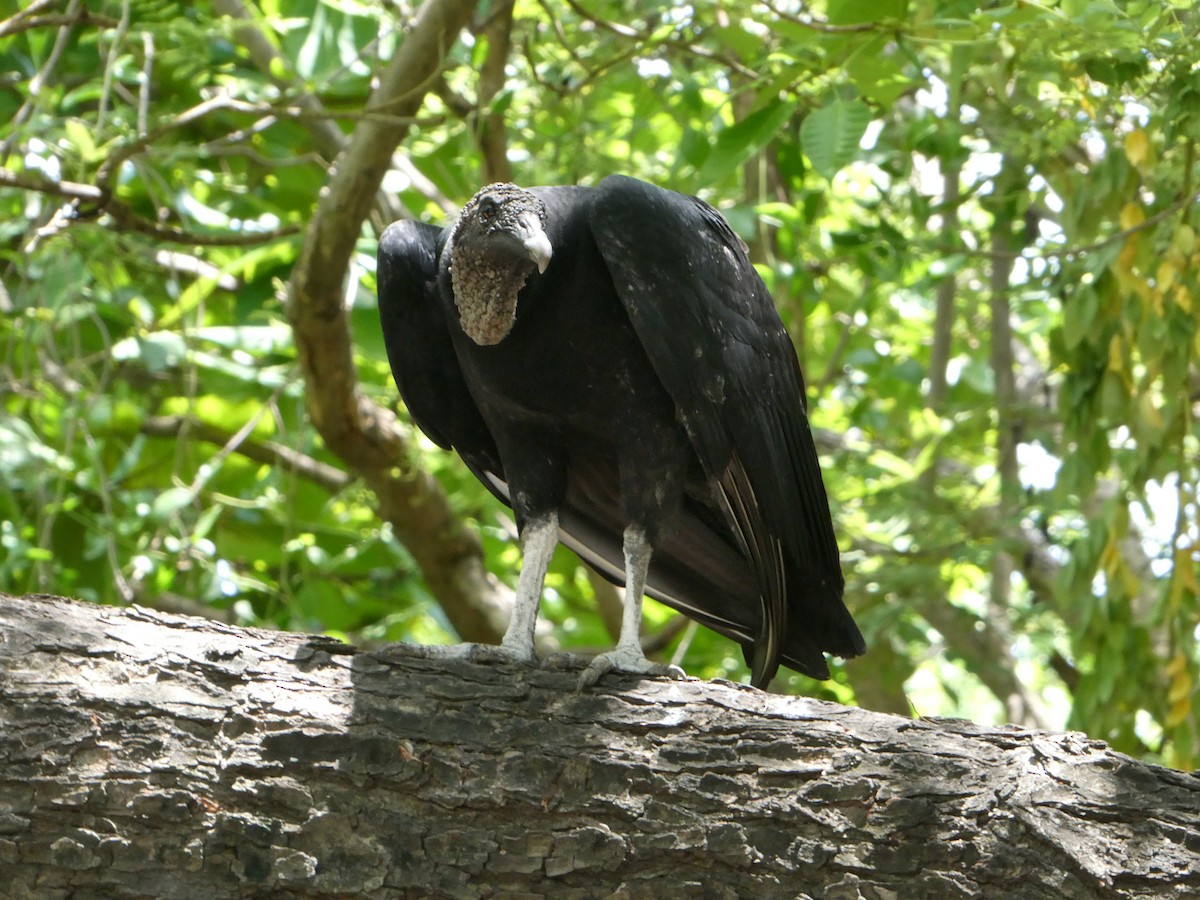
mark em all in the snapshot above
pixel 326 476
pixel 144 752
pixel 1184 202
pixel 364 435
pixel 493 139
pixel 22 21
pixel 944 317
pixel 326 135
pixel 646 39
pixel 38 81
pixel 91 201
pixel 820 25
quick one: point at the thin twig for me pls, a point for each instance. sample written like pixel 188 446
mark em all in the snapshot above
pixel 183 263
pixel 128 220
pixel 111 167
pixel 118 39
pixel 322 474
pixel 1100 244
pixel 17 24
pixel 819 24
pixel 100 201
pixel 633 34
pixel 38 81
pixel 23 15
pixel 836 359
pixel 70 189
pixel 147 81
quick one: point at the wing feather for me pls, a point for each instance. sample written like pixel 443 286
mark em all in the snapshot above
pixel 715 340
pixel 421 353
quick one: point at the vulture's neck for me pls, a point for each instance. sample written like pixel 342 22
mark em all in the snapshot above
pixel 485 291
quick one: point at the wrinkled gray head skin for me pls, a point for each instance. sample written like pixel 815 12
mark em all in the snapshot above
pixel 498 240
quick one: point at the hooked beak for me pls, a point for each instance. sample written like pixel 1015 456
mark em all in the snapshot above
pixel 534 241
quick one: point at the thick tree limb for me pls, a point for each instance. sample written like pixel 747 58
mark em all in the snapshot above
pixel 316 297
pixel 144 754
pixel 490 127
pixel 358 431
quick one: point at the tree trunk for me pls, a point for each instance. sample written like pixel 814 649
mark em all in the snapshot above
pixel 152 755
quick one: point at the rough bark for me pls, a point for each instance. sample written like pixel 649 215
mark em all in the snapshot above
pixel 491 130
pixel 152 755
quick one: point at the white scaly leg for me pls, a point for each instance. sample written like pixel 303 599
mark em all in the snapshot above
pixel 537 547
pixel 628 655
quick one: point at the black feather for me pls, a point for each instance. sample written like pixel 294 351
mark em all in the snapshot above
pixel 644 377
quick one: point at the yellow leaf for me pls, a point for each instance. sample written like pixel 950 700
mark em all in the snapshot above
pixel 1109 555
pixel 1137 148
pixel 1179 691
pixel 1183 298
pixel 1120 576
pixel 1149 417
pixel 1131 216
pixel 1082 86
pixel 1179 711
pixel 1116 357
pixel 1183 241
pixel 1185 570
pixel 1177 664
pixel 1166 273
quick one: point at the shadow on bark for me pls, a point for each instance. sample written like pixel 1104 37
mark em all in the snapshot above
pixel 153 755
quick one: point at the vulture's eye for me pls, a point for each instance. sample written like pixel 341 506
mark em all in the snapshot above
pixel 487 210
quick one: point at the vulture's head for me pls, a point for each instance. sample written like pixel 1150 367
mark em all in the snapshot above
pixel 498 241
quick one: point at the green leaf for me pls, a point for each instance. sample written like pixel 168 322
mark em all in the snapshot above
pixel 81 139
pixel 308 59
pixel 20 447
pixel 879 70
pixel 860 12
pixel 170 501
pixel 831 135
pixel 157 351
pixel 259 339
pixel 740 141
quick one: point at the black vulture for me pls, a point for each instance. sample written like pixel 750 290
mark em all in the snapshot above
pixel 608 363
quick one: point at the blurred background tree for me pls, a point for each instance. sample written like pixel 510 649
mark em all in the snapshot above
pixel 978 220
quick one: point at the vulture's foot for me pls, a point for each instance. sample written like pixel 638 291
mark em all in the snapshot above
pixel 503 653
pixel 623 661
pixel 476 653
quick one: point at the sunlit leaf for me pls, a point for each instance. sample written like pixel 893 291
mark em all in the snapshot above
pixel 737 143
pixel 831 135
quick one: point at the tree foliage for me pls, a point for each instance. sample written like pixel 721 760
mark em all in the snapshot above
pixel 979 222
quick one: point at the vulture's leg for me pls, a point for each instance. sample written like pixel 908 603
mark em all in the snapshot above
pixel 628 655
pixel 538 540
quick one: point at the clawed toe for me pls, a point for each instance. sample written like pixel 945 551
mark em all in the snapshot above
pixel 617 660
pixel 596 669
pixel 637 665
pixel 492 653
pixel 476 653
